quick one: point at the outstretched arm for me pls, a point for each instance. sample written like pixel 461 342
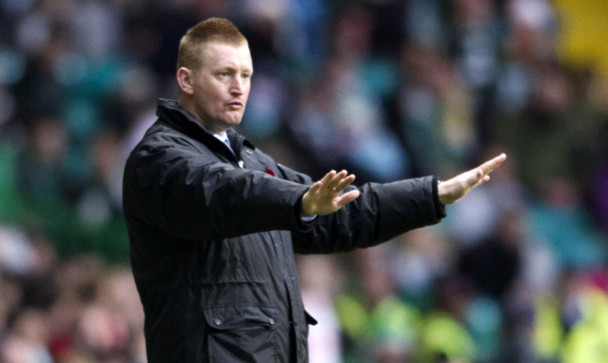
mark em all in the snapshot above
pixel 324 196
pixel 453 189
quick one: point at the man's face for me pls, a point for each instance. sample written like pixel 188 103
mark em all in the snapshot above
pixel 220 88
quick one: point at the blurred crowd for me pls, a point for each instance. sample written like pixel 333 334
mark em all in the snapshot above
pixel 387 89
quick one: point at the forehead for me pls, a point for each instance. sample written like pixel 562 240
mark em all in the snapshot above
pixel 218 54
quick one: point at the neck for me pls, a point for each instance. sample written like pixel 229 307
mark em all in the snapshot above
pixel 186 105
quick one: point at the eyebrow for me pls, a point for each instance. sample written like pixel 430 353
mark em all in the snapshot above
pixel 233 69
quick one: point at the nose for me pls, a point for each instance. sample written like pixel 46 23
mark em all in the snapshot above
pixel 236 88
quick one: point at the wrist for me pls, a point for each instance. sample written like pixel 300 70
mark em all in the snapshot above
pixel 306 208
pixel 439 205
pixel 442 193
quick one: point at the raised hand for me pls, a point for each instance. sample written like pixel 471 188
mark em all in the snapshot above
pixel 451 190
pixel 324 196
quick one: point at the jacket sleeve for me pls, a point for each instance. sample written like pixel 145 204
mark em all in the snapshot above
pixel 177 189
pixel 381 212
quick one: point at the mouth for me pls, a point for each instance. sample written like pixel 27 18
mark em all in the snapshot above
pixel 235 105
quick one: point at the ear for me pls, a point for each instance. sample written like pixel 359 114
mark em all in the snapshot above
pixel 184 80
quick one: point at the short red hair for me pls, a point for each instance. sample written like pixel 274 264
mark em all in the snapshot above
pixel 192 44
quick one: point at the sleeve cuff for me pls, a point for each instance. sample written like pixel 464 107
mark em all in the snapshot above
pixel 307 219
pixel 304 223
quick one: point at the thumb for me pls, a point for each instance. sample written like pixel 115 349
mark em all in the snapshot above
pixel 347 197
pixel 475 178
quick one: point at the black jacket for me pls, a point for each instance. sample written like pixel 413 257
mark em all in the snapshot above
pixel 213 236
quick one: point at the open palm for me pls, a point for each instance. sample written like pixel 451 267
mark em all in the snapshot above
pixel 325 196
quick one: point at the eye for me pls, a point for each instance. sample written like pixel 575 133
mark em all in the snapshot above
pixel 223 74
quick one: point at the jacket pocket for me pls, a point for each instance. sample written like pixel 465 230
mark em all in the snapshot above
pixel 242 334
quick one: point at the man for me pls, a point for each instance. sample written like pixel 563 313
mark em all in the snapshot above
pixel 214 222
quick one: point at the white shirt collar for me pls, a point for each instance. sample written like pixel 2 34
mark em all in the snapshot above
pixel 224 138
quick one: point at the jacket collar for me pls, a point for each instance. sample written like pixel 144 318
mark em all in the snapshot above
pixel 171 112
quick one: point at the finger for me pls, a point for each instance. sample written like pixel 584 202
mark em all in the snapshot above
pixel 347 198
pixel 482 180
pixel 336 179
pixel 314 188
pixel 327 178
pixel 474 177
pixel 345 182
pixel 492 164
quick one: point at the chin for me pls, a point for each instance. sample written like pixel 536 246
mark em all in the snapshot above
pixel 233 121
